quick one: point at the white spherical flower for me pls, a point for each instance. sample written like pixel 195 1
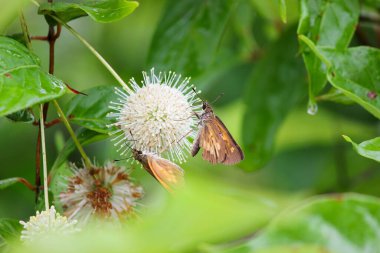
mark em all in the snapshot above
pixel 45 224
pixel 158 117
pixel 99 192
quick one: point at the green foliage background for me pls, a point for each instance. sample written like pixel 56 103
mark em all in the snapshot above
pixel 271 73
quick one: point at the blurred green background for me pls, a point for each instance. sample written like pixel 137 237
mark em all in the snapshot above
pixel 310 154
pixel 239 48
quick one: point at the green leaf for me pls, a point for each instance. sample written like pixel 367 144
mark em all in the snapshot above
pixel 277 84
pixel 187 37
pixel 337 223
pixel 85 137
pixel 4 183
pixel 10 230
pixel 104 11
pixel 91 111
pixel 326 23
pixel 369 149
pixel 20 74
pixel 355 72
pixel 24 115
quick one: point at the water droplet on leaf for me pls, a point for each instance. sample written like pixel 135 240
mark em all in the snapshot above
pixel 312 108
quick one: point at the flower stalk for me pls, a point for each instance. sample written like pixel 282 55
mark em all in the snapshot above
pixel 72 134
pixel 44 164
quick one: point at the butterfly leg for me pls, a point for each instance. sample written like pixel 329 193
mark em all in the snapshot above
pixel 197 115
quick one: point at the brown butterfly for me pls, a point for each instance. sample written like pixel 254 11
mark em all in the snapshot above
pixel 168 174
pixel 216 140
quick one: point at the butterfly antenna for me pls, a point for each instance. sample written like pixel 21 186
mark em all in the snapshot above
pixel 197 94
pixel 122 159
pixel 217 98
pixel 133 139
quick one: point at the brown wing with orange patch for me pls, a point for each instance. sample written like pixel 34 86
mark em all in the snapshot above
pixel 167 173
pixel 218 144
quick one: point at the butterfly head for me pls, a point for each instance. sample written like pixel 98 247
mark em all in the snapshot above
pixel 206 107
pixel 137 154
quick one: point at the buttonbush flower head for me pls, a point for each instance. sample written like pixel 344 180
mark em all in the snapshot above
pixel 99 192
pixel 157 117
pixel 47 223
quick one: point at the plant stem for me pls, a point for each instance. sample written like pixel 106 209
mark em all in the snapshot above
pixel 72 134
pixel 44 164
pixel 26 183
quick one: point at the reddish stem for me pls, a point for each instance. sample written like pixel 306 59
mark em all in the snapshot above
pixel 43 38
pixel 52 38
pixel 58 33
pixel 53 122
pixel 27 183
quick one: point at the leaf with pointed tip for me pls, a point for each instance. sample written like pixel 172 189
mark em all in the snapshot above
pixel 103 11
pixel 356 73
pixel 326 23
pixel 369 149
pixel 24 115
pixel 22 82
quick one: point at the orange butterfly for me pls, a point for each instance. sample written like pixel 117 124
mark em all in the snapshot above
pixel 168 174
pixel 218 144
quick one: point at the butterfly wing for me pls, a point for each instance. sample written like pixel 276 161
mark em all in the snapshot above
pixel 218 144
pixel 167 173
pixel 196 146
pixel 233 152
